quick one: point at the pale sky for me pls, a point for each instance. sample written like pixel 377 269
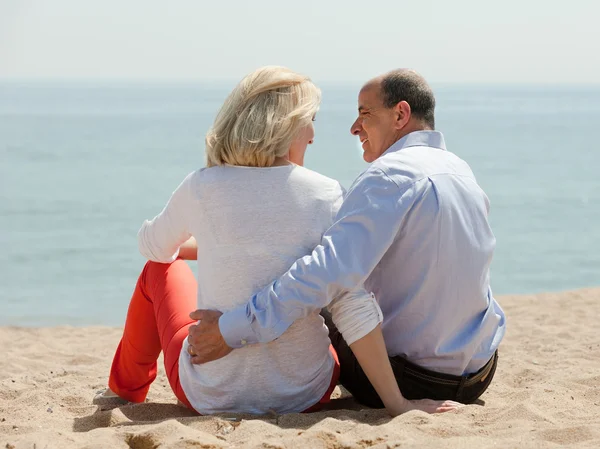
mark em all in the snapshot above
pixel 464 41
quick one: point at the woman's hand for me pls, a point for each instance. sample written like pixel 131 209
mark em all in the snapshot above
pixel 189 250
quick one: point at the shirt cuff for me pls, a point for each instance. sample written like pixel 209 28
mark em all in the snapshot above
pixel 236 329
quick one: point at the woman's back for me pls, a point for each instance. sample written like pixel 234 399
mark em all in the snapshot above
pixel 250 225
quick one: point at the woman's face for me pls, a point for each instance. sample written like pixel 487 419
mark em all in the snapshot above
pixel 298 148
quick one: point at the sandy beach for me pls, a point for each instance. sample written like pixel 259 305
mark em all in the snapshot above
pixel 546 393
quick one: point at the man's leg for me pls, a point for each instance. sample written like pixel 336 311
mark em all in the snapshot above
pixel 414 382
pixel 352 377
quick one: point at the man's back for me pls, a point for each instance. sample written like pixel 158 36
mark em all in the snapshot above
pixel 413 228
pixel 433 282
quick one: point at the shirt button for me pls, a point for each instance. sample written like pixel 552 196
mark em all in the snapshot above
pixel 243 342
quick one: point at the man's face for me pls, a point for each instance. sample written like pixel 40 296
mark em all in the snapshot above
pixel 376 125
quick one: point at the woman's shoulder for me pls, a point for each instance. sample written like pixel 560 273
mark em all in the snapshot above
pixel 294 177
pixel 207 176
pixel 317 180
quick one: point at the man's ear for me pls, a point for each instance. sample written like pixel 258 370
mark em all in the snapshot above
pixel 403 114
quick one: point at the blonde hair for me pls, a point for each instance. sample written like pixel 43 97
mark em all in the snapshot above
pixel 261 117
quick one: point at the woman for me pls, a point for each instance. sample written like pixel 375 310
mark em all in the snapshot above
pixel 246 217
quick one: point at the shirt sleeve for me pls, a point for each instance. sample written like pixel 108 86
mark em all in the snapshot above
pixel 159 239
pixel 365 227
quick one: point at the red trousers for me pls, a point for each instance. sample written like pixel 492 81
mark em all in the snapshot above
pixel 158 320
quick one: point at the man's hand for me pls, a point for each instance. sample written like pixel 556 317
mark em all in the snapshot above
pixel 206 342
pixel 427 406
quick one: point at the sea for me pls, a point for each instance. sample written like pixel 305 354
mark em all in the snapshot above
pixel 82 164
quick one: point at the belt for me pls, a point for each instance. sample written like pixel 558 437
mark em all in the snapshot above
pixel 402 366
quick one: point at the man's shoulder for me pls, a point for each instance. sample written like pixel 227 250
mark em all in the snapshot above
pixel 402 168
pixel 413 164
pixel 377 176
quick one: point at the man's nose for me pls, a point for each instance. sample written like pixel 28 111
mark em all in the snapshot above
pixel 356 127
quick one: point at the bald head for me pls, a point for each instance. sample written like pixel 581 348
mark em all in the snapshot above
pixel 407 85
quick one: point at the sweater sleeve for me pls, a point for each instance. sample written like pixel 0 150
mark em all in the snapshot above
pixel 159 239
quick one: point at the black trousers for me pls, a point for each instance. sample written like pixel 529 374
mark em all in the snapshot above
pixel 414 382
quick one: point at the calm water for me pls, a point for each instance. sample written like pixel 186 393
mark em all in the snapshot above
pixel 81 166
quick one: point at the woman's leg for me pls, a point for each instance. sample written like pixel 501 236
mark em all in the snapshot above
pixel 157 320
pixel 335 376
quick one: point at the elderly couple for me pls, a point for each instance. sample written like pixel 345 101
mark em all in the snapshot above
pixel 384 288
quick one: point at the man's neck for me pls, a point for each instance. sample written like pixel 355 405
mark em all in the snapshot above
pixel 405 134
pixel 412 127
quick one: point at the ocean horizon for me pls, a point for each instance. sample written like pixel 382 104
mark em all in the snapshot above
pixel 83 163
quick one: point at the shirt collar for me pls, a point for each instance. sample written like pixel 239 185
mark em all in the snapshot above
pixel 433 139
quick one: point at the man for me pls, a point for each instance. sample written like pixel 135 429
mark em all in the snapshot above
pixel 414 229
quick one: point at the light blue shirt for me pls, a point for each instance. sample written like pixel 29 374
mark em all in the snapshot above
pixel 414 229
